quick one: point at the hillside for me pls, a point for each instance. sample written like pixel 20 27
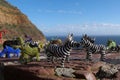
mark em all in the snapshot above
pixel 16 23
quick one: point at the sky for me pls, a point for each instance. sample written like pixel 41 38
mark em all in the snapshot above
pixel 61 17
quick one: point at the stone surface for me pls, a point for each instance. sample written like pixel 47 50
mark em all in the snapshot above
pixel 44 70
pixel 66 72
pixel 107 71
pixel 84 75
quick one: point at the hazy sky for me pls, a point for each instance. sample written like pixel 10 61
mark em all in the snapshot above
pixel 60 17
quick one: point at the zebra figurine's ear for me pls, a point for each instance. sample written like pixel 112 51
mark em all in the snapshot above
pixel 84 35
pixel 71 34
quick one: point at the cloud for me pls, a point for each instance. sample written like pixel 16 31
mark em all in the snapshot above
pixel 105 25
pixel 79 29
pixel 60 11
pixel 69 12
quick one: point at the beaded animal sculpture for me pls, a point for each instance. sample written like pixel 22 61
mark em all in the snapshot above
pixel 112 46
pixel 92 48
pixel 28 52
pixel 10 50
pixel 61 51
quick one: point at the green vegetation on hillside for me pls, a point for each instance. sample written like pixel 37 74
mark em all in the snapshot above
pixel 6 4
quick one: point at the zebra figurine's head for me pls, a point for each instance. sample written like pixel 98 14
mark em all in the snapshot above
pixel 86 39
pixel 92 40
pixel 71 42
pixel 70 37
pixel 85 42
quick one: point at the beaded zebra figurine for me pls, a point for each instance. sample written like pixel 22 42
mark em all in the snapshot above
pixel 62 51
pixel 92 48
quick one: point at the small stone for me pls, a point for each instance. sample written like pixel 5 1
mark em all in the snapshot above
pixel 66 72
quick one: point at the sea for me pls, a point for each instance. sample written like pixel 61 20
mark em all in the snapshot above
pixel 98 39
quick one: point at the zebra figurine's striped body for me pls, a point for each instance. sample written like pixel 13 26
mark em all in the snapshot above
pixel 62 51
pixel 92 48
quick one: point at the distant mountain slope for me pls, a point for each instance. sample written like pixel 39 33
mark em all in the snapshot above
pixel 17 24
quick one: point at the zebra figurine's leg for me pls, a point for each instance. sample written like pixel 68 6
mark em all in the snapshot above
pixel 49 56
pixel 89 56
pixel 53 59
pixel 103 55
pixel 67 58
pixel 63 61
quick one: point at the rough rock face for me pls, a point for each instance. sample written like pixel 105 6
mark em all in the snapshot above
pixel 107 71
pixel 16 23
pixel 44 70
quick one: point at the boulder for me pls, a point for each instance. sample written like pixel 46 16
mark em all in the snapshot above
pixel 107 71
pixel 81 74
pixel 95 66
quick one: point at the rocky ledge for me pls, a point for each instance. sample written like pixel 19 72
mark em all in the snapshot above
pixel 77 69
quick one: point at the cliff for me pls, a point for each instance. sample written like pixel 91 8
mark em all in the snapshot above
pixel 16 23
